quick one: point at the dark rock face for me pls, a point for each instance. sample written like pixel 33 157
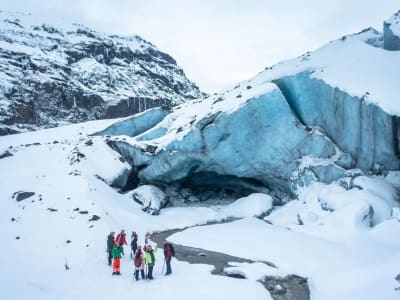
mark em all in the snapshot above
pixel 5 154
pixel 391 33
pixel 21 195
pixel 52 76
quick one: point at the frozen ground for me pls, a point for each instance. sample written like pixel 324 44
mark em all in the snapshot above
pixel 55 227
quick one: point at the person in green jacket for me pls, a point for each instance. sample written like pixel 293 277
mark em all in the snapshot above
pixel 116 254
pixel 149 260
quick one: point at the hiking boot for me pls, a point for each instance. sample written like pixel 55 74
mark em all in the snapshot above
pixel 114 273
pixel 118 273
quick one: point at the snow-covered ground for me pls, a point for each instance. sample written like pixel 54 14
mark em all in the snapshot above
pixel 46 231
pixel 336 248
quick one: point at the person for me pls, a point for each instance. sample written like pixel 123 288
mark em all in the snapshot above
pixel 121 239
pixel 146 240
pixel 139 263
pixel 110 245
pixel 134 239
pixel 168 253
pixel 116 254
pixel 150 260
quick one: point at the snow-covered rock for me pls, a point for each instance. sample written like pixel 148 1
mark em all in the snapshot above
pixel 391 32
pixel 52 76
pixel 151 198
pixel 254 205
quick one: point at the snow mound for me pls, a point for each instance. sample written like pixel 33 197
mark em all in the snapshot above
pixel 254 205
pixel 151 198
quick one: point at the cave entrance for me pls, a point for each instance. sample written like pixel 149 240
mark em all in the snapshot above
pixel 210 188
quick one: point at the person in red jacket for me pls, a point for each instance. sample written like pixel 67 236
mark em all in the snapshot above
pixel 121 239
pixel 168 253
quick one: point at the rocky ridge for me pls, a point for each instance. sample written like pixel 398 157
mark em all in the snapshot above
pixel 51 76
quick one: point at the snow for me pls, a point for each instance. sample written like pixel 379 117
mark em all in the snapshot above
pixel 253 205
pixel 151 198
pixel 253 271
pixel 375 260
pixel 374 70
pixel 394 23
pixel 71 188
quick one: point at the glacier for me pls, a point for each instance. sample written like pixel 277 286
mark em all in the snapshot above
pixel 313 118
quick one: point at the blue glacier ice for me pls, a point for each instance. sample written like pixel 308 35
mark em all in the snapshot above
pixel 137 125
pixel 319 117
pixel 391 33
pixel 359 128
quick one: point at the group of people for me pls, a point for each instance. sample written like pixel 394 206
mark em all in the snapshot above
pixel 143 258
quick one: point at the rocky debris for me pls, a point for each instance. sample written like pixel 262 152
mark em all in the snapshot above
pixel 94 218
pixel 21 195
pixel 83 212
pixel 5 154
pixel 291 287
pixel 151 198
pixel 52 209
pixel 77 74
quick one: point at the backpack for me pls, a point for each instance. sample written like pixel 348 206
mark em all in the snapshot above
pixel 172 250
pixel 138 260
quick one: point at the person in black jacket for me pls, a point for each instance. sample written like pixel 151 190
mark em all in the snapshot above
pixel 134 239
pixel 110 245
pixel 168 253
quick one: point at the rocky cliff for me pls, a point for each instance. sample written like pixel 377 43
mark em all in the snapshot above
pixel 51 76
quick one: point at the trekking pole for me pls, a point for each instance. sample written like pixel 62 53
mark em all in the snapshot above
pixel 162 270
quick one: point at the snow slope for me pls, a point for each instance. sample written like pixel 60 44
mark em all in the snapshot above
pixel 55 227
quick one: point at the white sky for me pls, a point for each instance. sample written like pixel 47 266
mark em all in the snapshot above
pixel 219 42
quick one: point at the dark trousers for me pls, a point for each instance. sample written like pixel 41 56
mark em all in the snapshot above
pixel 168 263
pixel 109 257
pixel 137 274
pixel 150 271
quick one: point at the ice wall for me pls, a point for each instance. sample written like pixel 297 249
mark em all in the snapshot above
pixel 391 33
pixel 358 127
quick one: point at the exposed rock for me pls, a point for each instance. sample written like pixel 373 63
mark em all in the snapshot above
pixel 291 287
pixel 5 154
pixel 21 195
pixel 94 218
pixel 58 76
